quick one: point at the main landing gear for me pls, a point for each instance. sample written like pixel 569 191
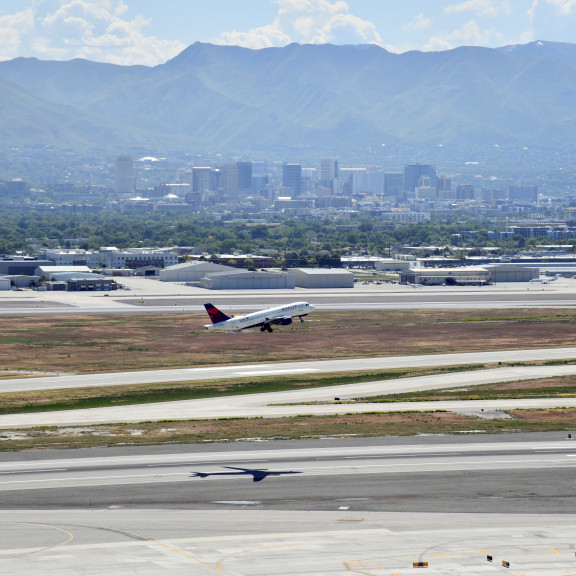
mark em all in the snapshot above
pixel 266 327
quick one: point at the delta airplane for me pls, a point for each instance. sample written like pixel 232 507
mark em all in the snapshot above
pixel 281 315
pixel 545 280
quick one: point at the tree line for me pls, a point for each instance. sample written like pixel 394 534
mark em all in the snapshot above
pixel 296 240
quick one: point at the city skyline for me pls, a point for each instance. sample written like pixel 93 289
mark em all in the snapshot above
pixel 149 32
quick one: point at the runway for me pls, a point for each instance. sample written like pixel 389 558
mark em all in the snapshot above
pixel 366 506
pixel 298 402
pixel 370 475
pixel 281 368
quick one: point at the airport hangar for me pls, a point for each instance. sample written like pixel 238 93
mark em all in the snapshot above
pixel 219 277
pixel 469 275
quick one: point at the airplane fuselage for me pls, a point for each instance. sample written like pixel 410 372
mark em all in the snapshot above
pixel 280 315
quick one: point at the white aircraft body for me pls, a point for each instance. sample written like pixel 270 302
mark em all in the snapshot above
pixel 265 319
pixel 545 280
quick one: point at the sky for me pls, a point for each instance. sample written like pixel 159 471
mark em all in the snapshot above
pixel 150 32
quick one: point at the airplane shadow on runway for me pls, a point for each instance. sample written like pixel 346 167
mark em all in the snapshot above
pixel 257 474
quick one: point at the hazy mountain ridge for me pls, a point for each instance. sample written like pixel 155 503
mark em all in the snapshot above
pixel 233 99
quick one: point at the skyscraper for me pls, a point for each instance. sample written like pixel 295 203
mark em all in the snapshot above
pixel 124 175
pixel 413 172
pixel 244 177
pixel 329 174
pixel 292 178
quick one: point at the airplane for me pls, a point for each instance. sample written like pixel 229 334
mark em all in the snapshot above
pixel 545 279
pixel 281 315
pixel 257 474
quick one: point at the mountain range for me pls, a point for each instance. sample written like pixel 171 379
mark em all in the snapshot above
pixel 213 98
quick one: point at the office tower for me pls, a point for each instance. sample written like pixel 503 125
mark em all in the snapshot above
pixel 443 183
pixel 260 185
pixel 202 179
pixel 292 178
pixel 465 192
pixel 393 184
pixel 124 176
pixel 413 173
pixel 244 177
pixel 523 194
pixel 230 180
pixel 329 174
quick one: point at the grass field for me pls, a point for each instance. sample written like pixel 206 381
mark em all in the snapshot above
pixel 122 343
pixel 303 427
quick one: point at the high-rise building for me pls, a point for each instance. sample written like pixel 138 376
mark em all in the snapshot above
pixel 230 180
pixel 465 192
pixel 393 184
pixel 244 177
pixel 413 173
pixel 202 178
pixel 124 175
pixel 292 178
pixel 523 194
pixel 329 174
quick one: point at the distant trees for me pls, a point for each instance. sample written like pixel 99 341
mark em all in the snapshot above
pixel 293 242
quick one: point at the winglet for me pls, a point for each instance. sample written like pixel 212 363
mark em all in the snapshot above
pixel 215 314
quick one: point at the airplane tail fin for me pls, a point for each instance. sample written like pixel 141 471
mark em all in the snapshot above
pixel 215 314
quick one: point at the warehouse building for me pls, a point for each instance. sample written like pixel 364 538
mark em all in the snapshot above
pixel 323 278
pixel 65 273
pixel 463 276
pixel 192 271
pixel 244 280
pixel 17 266
pixel 511 273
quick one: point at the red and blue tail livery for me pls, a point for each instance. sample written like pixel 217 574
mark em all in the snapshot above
pixel 216 315
pixel 265 319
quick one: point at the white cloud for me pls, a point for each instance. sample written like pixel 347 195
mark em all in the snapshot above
pixel 565 6
pixel 308 22
pixel 421 22
pixel 94 29
pixel 12 29
pixel 491 8
pixel 470 34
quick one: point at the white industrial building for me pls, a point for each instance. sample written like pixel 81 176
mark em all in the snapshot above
pixel 512 272
pixel 4 283
pixel 64 273
pixel 111 257
pixel 245 280
pixel 382 264
pixel 192 271
pixel 73 257
pixel 458 276
pixel 323 278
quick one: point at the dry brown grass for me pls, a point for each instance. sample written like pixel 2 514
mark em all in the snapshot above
pixel 374 424
pixel 121 343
